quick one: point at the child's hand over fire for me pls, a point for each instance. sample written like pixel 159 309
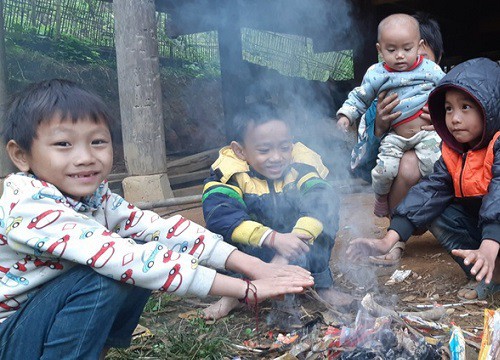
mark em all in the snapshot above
pixel 364 247
pixel 483 259
pixel 288 245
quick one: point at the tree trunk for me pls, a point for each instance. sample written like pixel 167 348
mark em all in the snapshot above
pixel 139 87
pixel 6 166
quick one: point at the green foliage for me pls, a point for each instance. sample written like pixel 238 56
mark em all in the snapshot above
pixel 68 48
pixel 191 339
pixel 158 302
pixel 195 70
pixel 196 341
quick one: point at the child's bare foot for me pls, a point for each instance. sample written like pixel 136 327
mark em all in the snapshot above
pixel 336 298
pixel 381 206
pixel 221 308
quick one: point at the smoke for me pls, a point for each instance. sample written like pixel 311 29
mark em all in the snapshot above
pixel 311 105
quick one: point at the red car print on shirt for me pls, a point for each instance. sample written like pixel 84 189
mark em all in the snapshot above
pixel 44 219
pixel 168 256
pixel 10 304
pixel 59 245
pixel 35 183
pixel 102 257
pixel 127 278
pixel 106 233
pixel 21 264
pixel 56 265
pixel 178 228
pixel 133 219
pixel 198 243
pixel 174 272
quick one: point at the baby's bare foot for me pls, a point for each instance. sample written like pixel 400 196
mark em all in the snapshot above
pixel 220 309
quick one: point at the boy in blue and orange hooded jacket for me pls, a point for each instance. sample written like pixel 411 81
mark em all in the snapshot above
pixel 459 201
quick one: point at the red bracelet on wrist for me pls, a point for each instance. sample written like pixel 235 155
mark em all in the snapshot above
pixel 251 288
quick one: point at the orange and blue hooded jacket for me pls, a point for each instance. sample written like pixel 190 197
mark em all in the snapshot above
pixel 243 206
pixel 470 176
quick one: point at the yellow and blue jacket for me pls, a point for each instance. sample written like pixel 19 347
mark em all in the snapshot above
pixel 242 205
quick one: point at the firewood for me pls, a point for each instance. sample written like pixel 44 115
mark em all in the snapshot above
pixel 378 310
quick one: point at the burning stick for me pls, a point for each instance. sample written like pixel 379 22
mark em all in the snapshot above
pixel 378 310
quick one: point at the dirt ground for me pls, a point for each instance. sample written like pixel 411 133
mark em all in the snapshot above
pixel 435 277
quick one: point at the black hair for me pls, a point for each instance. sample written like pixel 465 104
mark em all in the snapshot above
pixel 430 33
pixel 42 101
pixel 255 114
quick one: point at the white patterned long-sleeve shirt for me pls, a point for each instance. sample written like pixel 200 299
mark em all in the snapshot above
pixel 44 233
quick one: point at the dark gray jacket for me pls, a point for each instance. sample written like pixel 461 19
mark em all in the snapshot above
pixel 480 78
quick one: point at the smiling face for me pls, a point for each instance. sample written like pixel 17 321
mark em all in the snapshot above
pixel 267 148
pixel 463 117
pixel 73 156
pixel 399 42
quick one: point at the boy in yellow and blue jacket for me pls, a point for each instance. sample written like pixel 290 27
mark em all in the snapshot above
pixel 268 196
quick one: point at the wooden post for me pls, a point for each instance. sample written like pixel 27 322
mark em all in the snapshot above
pixel 140 94
pixel 233 82
pixel 139 87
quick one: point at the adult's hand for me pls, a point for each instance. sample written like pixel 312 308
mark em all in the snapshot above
pixel 427 117
pixel 384 117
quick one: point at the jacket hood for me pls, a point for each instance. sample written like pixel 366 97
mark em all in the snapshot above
pixel 480 78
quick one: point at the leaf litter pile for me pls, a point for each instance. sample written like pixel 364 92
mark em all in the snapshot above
pixel 373 327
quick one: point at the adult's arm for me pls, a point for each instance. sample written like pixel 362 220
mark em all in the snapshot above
pixel 489 213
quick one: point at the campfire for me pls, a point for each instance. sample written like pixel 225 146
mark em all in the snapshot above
pixel 376 332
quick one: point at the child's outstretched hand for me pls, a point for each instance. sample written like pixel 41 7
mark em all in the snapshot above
pixel 273 270
pixel 364 247
pixel 271 287
pixel 289 245
pixel 343 123
pixel 482 258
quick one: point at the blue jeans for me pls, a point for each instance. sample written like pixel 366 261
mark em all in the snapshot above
pixel 74 316
pixel 457 228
